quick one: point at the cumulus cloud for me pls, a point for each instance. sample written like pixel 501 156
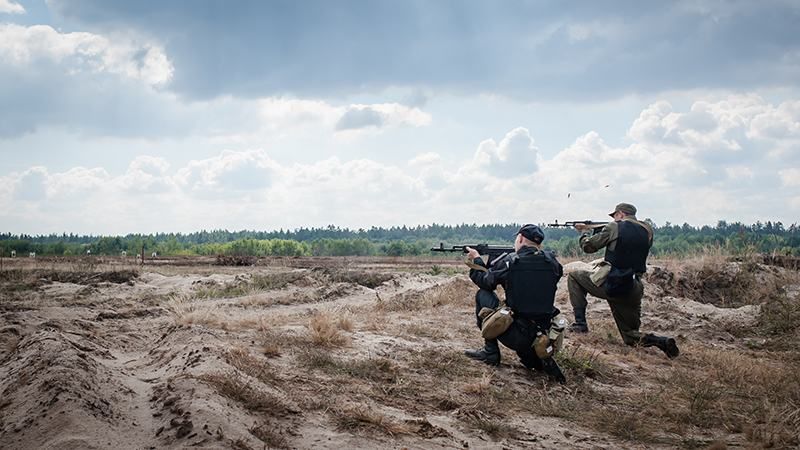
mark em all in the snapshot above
pixel 11 7
pixel 86 82
pixel 718 134
pixel 231 170
pixel 380 115
pixel 280 112
pixel 146 174
pixel 30 186
pixel 503 181
pixel 359 117
pixel 77 181
pixel 515 155
pixel 713 157
pixel 429 168
pixel 81 51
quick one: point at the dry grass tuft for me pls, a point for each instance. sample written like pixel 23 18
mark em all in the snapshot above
pixel 252 366
pixel 325 331
pixel 355 417
pixel 625 423
pixel 8 345
pixel 233 386
pixel 456 292
pixel 780 319
pixel 566 405
pixel 427 330
pixel 710 389
pixel 185 311
pixel 270 435
pixel 480 387
pixel 344 320
pixel 449 365
pixel 722 281
pixel 269 339
pixel 490 425
pixel 578 363
pixel 750 394
pixel 248 285
pixel 379 370
pixel 368 279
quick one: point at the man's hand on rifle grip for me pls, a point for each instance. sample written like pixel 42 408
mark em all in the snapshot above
pixel 472 253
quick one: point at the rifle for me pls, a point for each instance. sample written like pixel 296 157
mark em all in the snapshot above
pixel 595 226
pixel 494 252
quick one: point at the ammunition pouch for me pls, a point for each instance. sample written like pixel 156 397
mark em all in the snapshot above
pixel 496 323
pixel 556 333
pixel 548 344
pixel 542 346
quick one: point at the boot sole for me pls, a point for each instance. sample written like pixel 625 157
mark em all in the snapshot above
pixel 485 361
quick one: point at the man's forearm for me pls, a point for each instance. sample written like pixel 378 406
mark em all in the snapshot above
pixel 592 243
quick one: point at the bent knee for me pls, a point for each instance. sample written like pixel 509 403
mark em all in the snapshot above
pixel 573 277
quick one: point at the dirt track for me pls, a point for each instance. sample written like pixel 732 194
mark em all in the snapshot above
pixel 315 353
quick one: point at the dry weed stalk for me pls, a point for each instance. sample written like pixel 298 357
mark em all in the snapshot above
pixel 375 369
pixel 457 291
pixel 356 416
pixel 481 386
pixel 9 344
pixel 242 359
pixel 325 331
pixel 715 389
pixel 494 427
pixel 428 330
pixel 579 363
pixel 185 311
pixel 270 435
pixel 720 280
pixel 233 386
pixel 269 339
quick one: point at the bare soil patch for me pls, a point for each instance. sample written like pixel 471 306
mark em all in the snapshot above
pixel 367 353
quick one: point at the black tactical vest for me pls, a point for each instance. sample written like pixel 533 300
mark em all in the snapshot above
pixel 531 284
pixel 633 245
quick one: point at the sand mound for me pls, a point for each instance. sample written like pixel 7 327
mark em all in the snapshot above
pixel 369 355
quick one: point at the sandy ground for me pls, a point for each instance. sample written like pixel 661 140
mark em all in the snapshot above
pixel 303 353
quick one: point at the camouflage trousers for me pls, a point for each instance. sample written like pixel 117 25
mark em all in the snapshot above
pixel 627 310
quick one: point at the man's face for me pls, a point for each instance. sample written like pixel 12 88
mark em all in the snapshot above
pixel 618 215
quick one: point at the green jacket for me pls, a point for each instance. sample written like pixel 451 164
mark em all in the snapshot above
pixel 607 236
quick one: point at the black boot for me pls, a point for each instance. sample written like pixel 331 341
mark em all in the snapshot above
pixel 580 325
pixel 666 344
pixel 550 367
pixel 490 353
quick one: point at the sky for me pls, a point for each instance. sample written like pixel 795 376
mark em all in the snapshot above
pixel 150 116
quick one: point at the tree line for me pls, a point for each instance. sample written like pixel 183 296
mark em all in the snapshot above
pixel 735 237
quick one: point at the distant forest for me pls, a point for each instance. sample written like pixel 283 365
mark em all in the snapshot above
pixel 733 238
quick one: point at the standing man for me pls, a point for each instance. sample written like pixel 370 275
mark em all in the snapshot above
pixel 529 276
pixel 617 278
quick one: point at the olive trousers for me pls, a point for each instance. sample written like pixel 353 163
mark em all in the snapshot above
pixel 627 309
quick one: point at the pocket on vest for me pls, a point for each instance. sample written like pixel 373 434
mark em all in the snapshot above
pixel 619 282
